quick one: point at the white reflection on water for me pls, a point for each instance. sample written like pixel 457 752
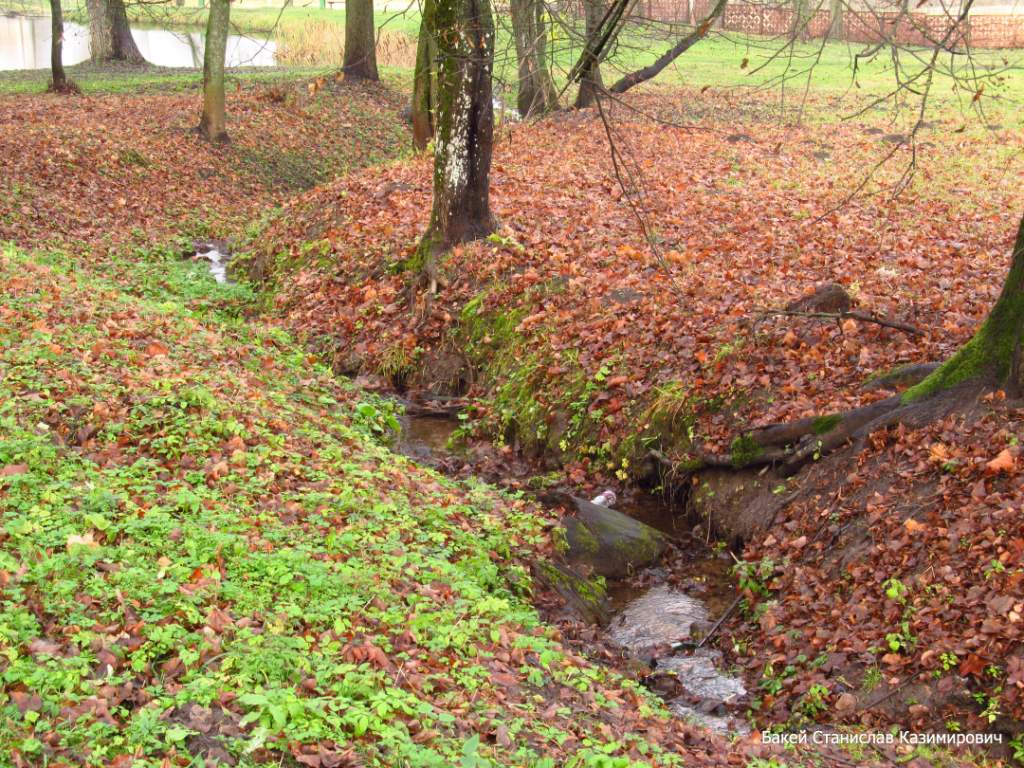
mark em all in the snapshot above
pixel 25 44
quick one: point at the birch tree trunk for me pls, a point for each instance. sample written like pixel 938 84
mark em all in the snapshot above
pixel 465 125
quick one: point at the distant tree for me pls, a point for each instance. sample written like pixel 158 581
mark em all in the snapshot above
pixel 836 26
pixel 537 93
pixel 424 89
pixel 589 74
pixel 360 41
pixel 212 123
pixel 464 119
pixel 110 37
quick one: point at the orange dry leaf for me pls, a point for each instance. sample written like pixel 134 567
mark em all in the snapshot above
pixel 1004 462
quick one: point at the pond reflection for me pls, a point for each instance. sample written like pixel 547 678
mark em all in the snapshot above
pixel 25 44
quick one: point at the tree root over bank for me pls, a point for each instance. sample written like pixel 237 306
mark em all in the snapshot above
pixel 991 360
pixel 789 446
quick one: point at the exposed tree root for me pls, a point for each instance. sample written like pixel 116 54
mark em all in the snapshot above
pixel 787 447
pixel 851 314
pixel 903 376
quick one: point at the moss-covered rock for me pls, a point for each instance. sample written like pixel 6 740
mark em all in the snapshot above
pixel 611 543
pixel 585 597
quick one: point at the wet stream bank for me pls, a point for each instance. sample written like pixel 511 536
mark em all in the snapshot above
pixel 657 616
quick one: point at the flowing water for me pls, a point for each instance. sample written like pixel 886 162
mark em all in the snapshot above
pixel 650 616
pixel 25 44
pixel 218 256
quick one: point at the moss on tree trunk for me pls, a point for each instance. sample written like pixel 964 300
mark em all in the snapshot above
pixel 360 41
pixel 212 123
pixel 464 31
pixel 993 355
pixel 424 92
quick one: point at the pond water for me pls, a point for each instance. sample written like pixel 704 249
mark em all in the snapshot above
pixel 25 44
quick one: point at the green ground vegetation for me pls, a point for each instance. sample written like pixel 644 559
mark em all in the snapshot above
pixel 194 514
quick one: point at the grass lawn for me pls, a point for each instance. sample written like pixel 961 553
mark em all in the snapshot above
pixel 136 80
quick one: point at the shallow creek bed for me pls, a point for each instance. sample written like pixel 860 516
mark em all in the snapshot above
pixel 651 615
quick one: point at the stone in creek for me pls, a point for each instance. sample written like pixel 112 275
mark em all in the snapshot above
pixel 698 675
pixel 723 726
pixel 662 616
pixel 613 544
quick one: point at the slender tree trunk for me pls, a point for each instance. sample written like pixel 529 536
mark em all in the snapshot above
pixel 360 41
pixel 58 80
pixel 424 92
pixel 590 79
pixel 993 355
pixel 110 37
pixel 465 126
pixel 798 28
pixel 212 123
pixel 537 93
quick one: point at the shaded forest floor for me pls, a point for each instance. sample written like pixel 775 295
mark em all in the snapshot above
pixel 572 340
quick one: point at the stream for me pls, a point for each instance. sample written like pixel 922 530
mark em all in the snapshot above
pixel 648 613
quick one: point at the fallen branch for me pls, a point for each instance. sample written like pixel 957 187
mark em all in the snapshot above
pixel 851 314
pixel 722 618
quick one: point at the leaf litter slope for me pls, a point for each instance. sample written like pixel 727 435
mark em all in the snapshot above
pixel 735 215
pixel 936 509
pixel 113 167
pixel 206 551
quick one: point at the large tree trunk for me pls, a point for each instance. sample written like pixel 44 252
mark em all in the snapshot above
pixel 990 360
pixel 590 77
pixel 424 91
pixel 212 123
pixel 993 355
pixel 360 41
pixel 461 210
pixel 58 80
pixel 537 93
pixel 110 37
